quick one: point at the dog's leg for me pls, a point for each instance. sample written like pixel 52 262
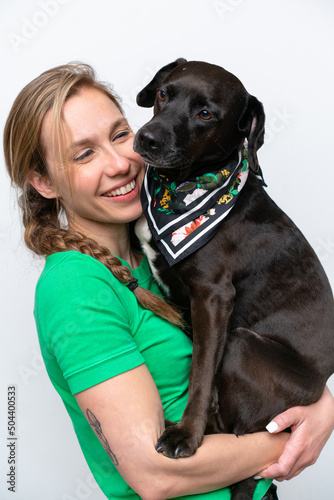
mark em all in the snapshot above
pixel 210 312
pixel 243 490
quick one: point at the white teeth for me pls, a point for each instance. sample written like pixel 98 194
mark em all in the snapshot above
pixel 123 190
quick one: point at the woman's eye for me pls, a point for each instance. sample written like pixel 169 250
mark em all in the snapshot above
pixel 162 95
pixel 205 115
pixel 124 133
pixel 85 155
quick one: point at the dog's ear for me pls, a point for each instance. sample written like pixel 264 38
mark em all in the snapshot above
pixel 146 97
pixel 251 124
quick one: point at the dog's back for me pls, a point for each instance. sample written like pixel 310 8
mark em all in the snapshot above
pixel 282 322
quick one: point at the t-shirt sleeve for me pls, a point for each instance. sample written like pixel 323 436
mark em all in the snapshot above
pixel 85 324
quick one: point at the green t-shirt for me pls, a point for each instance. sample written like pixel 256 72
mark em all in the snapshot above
pixel 92 328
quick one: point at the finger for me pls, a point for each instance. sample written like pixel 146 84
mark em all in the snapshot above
pixel 276 470
pixel 278 473
pixel 285 465
pixel 289 418
pixel 290 476
pixel 286 469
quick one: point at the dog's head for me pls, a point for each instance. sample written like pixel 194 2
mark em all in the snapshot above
pixel 202 114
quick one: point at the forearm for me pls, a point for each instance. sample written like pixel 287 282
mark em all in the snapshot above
pixel 126 412
pixel 221 460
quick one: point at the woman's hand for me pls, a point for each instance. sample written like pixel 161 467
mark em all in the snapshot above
pixel 311 427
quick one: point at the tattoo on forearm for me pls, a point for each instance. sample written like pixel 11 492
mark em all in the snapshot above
pixel 96 426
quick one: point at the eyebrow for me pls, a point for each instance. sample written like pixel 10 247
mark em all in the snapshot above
pixel 88 140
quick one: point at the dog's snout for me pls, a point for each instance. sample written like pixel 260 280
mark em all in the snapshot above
pixel 150 140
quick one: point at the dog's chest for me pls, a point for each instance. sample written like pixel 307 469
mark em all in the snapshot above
pixel 145 237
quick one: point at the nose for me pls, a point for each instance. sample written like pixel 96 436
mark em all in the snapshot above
pixel 116 163
pixel 150 140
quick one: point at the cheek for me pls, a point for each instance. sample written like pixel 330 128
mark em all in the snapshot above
pixel 63 183
pixel 75 189
pixel 131 154
pixel 85 179
pixel 137 158
pixel 140 177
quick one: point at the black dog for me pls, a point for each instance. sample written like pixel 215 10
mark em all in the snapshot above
pixel 261 305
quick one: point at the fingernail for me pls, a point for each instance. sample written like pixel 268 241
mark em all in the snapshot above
pixel 257 478
pixel 272 427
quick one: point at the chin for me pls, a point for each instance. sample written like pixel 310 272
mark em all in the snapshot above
pixel 134 214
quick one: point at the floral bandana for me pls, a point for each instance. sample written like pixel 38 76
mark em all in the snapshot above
pixel 183 217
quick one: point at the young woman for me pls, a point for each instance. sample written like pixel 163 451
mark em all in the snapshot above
pixel 111 345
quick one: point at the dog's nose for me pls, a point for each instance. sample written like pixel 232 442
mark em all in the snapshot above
pixel 149 140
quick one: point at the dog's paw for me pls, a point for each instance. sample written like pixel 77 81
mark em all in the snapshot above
pixel 177 442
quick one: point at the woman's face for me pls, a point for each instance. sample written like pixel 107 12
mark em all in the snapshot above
pixel 100 184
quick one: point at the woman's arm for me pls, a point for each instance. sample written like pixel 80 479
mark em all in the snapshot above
pixel 311 428
pixel 126 414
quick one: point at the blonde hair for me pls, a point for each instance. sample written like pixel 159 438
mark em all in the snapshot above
pixel 24 155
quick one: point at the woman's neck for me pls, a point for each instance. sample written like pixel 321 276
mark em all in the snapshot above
pixel 115 237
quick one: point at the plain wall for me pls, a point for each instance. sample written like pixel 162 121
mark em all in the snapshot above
pixel 283 53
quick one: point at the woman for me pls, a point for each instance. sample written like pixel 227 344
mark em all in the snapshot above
pixel 119 368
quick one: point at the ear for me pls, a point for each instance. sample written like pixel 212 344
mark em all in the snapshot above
pixel 43 186
pixel 146 97
pixel 251 124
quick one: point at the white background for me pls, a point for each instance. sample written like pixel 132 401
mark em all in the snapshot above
pixel 283 53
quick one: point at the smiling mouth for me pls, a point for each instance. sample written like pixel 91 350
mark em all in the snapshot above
pixel 122 190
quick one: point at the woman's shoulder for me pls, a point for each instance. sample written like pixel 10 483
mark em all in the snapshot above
pixel 72 278
pixel 72 282
pixel 72 269
pixel 71 258
pixel 73 272
pixel 75 260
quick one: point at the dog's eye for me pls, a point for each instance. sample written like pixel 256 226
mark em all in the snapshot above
pixel 162 95
pixel 205 115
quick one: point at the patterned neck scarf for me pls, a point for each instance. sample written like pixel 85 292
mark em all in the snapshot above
pixel 183 217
